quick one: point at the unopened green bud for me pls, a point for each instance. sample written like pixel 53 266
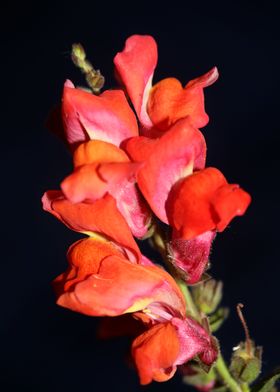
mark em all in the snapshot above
pixel 207 295
pixel 93 77
pixel 246 366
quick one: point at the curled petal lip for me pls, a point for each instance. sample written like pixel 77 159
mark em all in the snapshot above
pixel 205 201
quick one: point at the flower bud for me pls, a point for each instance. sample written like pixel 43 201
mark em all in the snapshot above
pixel 246 365
pixel 207 295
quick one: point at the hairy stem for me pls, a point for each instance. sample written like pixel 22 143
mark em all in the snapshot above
pixel 191 307
pixel 224 374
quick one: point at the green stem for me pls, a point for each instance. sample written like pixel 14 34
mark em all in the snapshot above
pixel 222 369
pixel 191 307
pixel 245 387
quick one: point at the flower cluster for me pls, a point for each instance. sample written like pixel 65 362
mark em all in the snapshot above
pixel 139 158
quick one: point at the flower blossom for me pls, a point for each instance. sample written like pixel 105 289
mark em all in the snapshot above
pixel 102 281
pixel 127 167
pixel 160 106
pixel 195 201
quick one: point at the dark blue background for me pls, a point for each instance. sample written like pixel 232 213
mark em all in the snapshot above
pixel 46 348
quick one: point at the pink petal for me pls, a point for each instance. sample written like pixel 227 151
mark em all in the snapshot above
pixel 135 67
pixel 194 340
pixel 192 256
pixel 106 117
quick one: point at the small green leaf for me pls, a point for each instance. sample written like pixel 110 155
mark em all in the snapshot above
pixel 267 384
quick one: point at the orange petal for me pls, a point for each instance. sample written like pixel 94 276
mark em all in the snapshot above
pixel 169 101
pixel 84 258
pixel 97 151
pixel 155 352
pixel 90 218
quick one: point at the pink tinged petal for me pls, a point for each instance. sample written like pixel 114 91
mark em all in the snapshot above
pixel 91 182
pixel 175 155
pixel 134 209
pixel 89 218
pixel 191 256
pixel 106 117
pixel 194 340
pixel 121 179
pixel 135 67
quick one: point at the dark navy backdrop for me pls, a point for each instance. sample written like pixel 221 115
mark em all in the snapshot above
pixel 46 348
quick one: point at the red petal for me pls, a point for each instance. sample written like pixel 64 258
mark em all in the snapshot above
pixel 155 353
pixel 173 156
pixel 205 201
pixel 106 117
pixel 135 67
pixel 90 218
pixel 169 101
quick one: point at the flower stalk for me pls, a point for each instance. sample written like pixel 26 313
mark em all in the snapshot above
pixel 139 156
pixel 225 375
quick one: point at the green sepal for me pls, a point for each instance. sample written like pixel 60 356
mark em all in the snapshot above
pixel 207 294
pixel 199 376
pixel 245 367
pixel 267 383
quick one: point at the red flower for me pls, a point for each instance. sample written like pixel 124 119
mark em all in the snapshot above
pixel 160 106
pixel 195 201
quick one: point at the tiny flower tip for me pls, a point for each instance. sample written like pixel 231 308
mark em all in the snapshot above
pixel 213 75
pixel 69 84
